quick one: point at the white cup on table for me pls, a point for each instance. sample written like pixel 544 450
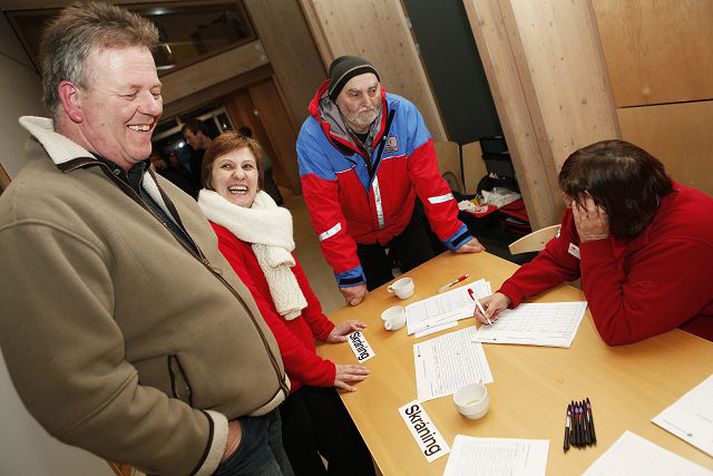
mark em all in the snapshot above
pixel 394 318
pixel 403 288
pixel 472 400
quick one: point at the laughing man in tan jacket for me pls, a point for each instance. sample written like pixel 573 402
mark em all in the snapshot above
pixel 124 329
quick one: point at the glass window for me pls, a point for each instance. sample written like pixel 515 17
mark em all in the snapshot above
pixel 188 32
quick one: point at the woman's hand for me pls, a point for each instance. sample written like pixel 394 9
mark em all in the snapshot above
pixel 591 221
pixel 349 373
pixel 340 331
pixel 353 295
pixel 473 246
pixel 493 305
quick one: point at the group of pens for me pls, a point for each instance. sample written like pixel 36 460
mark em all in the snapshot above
pixel 579 425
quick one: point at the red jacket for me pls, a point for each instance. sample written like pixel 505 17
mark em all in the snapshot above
pixel 639 287
pixel 348 205
pixel 295 337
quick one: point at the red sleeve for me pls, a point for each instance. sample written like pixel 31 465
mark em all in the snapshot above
pixel 300 362
pixel 322 199
pixel 319 324
pixel 664 288
pixel 550 267
pixel 439 205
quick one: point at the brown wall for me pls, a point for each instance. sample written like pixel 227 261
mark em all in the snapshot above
pixel 659 55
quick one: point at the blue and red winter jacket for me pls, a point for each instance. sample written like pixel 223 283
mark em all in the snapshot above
pixel 348 206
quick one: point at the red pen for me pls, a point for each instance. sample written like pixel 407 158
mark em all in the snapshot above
pixel 446 286
pixel 479 306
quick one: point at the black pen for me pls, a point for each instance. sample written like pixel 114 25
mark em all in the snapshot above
pixel 585 424
pixel 580 427
pixel 567 426
pixel 573 426
pixel 590 417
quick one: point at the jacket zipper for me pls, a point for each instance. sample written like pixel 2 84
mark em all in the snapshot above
pixel 198 254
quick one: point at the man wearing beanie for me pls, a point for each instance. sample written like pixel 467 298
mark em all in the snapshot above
pixel 370 180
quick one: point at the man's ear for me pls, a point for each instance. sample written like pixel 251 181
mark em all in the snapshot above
pixel 71 100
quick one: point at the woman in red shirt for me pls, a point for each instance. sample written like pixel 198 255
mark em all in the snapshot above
pixel 255 236
pixel 641 243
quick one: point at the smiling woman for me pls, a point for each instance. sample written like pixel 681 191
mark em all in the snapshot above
pixel 256 237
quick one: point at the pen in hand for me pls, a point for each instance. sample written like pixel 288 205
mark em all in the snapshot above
pixel 479 306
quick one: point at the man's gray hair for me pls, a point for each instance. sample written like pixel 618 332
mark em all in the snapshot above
pixel 79 29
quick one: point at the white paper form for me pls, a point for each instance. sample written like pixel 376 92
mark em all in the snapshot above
pixel 448 362
pixel 547 324
pixel 691 417
pixel 497 456
pixel 632 455
pixel 446 307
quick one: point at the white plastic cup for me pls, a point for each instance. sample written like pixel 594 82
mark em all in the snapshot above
pixel 394 318
pixel 403 288
pixel 472 400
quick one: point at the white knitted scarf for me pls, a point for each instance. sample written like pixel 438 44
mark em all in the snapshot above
pixel 269 229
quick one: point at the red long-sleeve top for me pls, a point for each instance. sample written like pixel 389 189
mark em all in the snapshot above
pixel 294 337
pixel 639 287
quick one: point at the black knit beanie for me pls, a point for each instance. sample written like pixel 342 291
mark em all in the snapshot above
pixel 345 68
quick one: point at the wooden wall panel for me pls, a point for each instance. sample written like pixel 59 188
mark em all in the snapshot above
pixel 212 71
pixel 544 65
pixel 279 128
pixel 496 53
pixel 657 51
pixel 293 54
pixel 569 94
pixel 679 135
pixel 377 30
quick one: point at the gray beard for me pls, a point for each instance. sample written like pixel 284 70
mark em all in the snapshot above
pixel 360 123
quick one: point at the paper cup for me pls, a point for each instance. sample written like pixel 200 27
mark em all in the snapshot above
pixel 394 318
pixel 472 400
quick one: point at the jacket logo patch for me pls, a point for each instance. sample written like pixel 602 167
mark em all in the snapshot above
pixel 392 144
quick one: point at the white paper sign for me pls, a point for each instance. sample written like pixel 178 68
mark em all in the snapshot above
pixel 429 439
pixel 361 348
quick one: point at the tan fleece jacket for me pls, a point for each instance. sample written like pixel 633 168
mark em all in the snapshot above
pixel 118 338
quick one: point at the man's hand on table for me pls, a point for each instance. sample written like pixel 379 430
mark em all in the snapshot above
pixel 353 295
pixel 473 246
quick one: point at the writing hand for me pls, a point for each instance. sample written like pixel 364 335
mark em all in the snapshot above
pixel 493 305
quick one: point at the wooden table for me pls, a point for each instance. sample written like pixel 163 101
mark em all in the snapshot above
pixel 628 385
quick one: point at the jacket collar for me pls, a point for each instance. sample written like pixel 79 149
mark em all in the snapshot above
pixel 60 149
pixel 325 111
pixel 67 155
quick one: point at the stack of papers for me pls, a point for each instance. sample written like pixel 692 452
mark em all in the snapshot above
pixel 497 456
pixel 448 362
pixel 444 310
pixel 547 324
pixel 691 417
pixel 632 455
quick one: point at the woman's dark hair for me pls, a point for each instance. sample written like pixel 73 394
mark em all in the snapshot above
pixel 226 143
pixel 625 180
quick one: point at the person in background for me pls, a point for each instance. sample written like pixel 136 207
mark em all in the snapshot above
pixel 255 235
pixel 369 173
pixel 173 171
pixel 124 329
pixel 639 241
pixel 196 134
pixel 269 182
